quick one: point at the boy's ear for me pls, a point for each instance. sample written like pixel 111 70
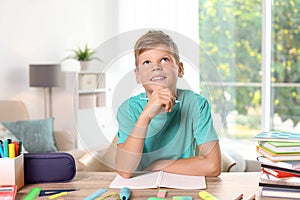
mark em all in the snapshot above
pixel 137 76
pixel 180 70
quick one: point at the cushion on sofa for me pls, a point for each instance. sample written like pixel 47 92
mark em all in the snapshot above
pixel 36 135
pixel 64 140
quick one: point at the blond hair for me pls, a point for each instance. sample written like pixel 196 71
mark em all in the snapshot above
pixel 152 40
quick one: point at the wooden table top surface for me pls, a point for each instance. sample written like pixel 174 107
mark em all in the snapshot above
pixel 227 186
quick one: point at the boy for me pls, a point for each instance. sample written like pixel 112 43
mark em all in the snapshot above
pixel 163 128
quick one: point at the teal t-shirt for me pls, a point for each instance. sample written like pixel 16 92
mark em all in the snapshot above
pixel 171 135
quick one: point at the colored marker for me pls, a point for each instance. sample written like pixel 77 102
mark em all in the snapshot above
pixel 57 195
pixel 16 149
pixel 1 151
pixel 147 99
pixel 125 193
pixel 20 147
pixel 11 150
pixel 32 194
pixel 5 148
pixel 155 198
pixel 95 194
pixel 109 195
pixel 182 198
pixel 161 193
pixel 206 196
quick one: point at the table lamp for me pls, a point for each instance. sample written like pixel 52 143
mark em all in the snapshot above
pixel 46 76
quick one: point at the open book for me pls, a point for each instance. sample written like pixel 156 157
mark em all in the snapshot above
pixel 160 179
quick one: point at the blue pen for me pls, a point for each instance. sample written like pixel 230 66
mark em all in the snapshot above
pixel 5 149
pixel 125 193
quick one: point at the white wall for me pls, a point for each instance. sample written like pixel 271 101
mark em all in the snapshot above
pixel 35 31
pixel 179 18
pixel 177 15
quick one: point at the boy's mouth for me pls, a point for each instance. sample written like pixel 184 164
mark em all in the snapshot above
pixel 158 78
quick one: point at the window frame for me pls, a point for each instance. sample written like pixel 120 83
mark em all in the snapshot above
pixel 266 64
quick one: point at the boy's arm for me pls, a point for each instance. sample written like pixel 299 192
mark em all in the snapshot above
pixel 130 152
pixel 206 164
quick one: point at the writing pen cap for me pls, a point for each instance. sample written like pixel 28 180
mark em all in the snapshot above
pixel 124 193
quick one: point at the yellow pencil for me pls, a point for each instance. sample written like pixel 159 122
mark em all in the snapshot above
pixel 57 195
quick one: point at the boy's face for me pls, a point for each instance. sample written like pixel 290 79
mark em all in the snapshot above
pixel 158 69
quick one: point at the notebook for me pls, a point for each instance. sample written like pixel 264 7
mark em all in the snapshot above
pixel 160 179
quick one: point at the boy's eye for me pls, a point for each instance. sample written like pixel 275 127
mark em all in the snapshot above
pixel 165 60
pixel 147 62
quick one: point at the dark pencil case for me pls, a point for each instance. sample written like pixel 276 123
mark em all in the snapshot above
pixel 48 167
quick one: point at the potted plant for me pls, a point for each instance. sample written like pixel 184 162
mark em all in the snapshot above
pixel 84 56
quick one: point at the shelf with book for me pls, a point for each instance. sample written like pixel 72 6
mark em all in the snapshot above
pixel 93 109
pixel 91 89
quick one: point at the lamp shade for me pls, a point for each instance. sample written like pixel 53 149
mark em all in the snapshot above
pixel 45 75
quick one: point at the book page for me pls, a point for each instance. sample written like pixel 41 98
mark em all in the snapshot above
pixel 182 181
pixel 140 181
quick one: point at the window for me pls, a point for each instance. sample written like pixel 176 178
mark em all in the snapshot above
pixel 233 65
pixel 285 70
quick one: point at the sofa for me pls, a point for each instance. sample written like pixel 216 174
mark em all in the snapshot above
pixel 101 159
pixel 15 111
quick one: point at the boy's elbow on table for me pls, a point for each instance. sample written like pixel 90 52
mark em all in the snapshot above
pixel 214 169
pixel 124 174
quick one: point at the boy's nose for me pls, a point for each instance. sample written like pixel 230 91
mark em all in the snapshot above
pixel 156 67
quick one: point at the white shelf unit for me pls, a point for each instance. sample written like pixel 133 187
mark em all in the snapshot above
pixel 95 127
pixel 91 89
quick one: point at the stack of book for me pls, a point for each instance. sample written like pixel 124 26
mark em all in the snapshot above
pixel 280 163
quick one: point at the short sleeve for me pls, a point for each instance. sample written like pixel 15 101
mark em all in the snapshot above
pixel 126 121
pixel 203 123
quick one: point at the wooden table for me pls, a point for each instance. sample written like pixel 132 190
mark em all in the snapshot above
pixel 227 186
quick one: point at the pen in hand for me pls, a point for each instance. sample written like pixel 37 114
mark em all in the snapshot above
pixel 147 99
